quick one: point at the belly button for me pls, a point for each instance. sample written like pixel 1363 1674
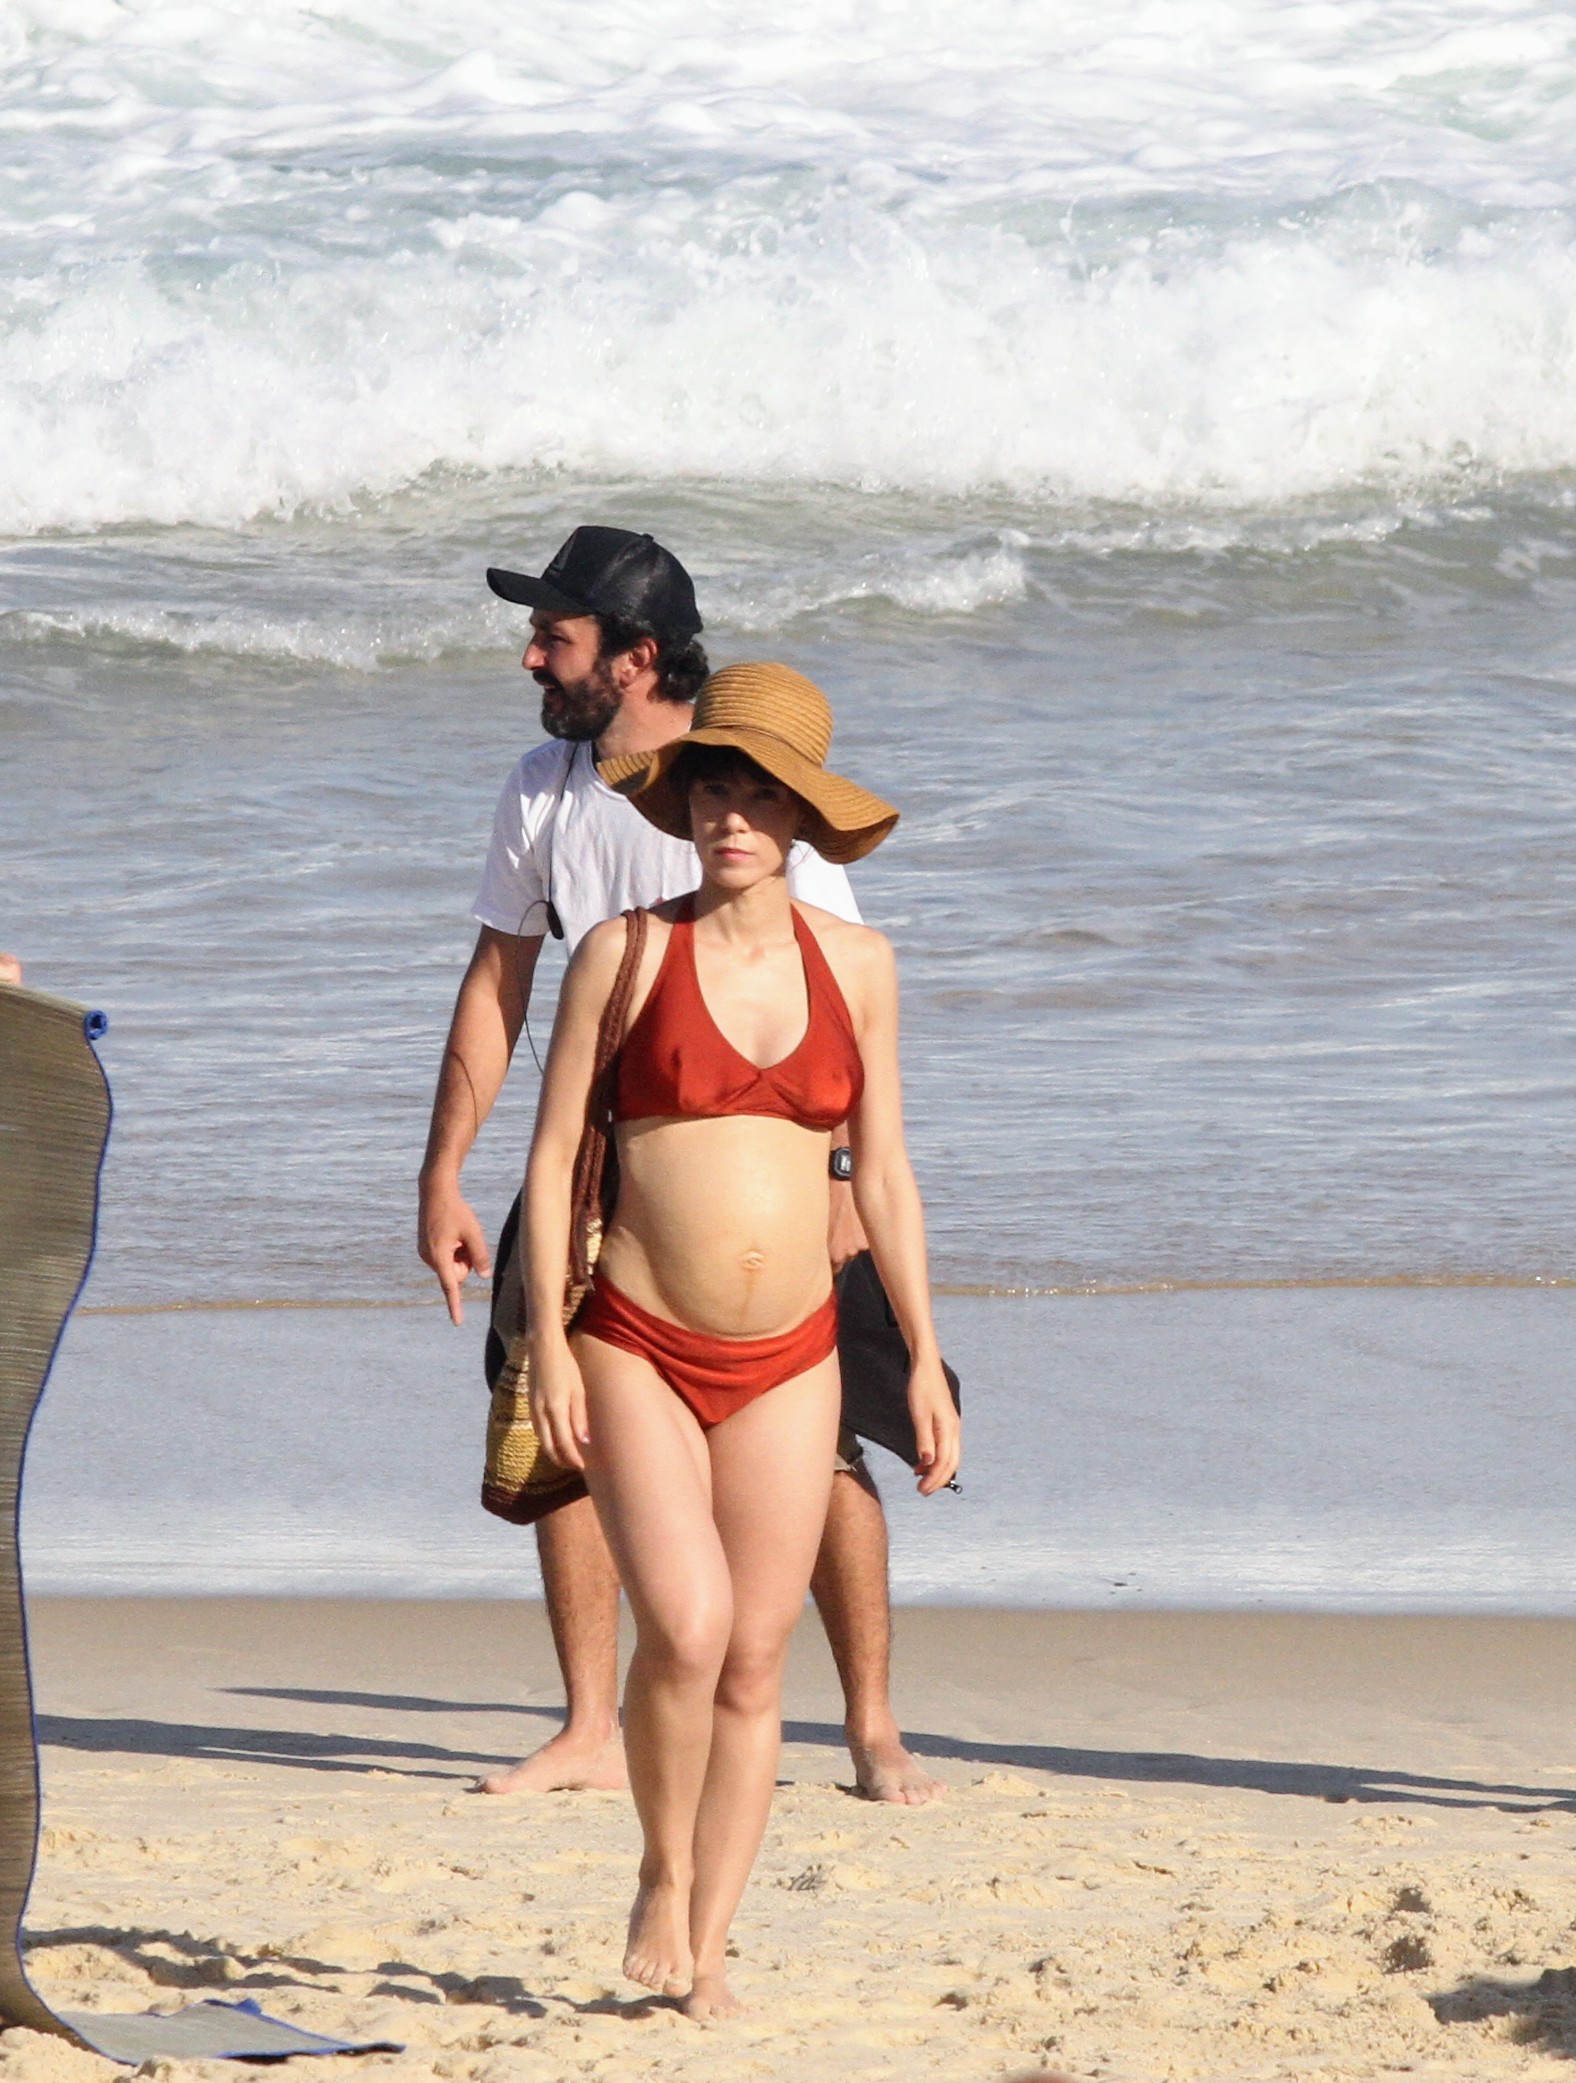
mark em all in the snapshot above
pixel 753 1261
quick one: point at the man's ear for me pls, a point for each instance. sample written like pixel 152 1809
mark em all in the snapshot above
pixel 639 658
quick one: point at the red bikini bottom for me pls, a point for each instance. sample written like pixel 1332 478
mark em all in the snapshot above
pixel 713 1376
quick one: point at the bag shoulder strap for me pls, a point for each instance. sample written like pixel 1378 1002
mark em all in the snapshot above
pixel 593 1177
pixel 610 1031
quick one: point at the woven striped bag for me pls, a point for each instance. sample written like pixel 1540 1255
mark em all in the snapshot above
pixel 520 1482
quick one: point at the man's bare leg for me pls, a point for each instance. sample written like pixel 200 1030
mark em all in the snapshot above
pixel 850 1589
pixel 581 1587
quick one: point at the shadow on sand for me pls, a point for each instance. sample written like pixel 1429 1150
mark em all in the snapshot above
pixel 1542 2013
pixel 356 1753
pixel 1312 1782
pixel 233 1746
pixel 176 1960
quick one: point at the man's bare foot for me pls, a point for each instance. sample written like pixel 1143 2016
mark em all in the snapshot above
pixel 711 1998
pixel 886 1770
pixel 658 1952
pixel 568 1763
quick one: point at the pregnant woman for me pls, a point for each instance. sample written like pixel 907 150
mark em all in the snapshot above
pixel 698 1386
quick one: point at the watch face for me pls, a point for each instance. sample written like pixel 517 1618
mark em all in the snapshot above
pixel 843 1163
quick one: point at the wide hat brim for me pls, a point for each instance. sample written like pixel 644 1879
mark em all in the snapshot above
pixel 847 821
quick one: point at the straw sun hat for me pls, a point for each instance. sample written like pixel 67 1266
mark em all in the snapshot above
pixel 783 722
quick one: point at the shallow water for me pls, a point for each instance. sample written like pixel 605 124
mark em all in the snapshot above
pixel 1350 1449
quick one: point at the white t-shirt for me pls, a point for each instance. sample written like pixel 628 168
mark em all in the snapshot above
pixel 560 831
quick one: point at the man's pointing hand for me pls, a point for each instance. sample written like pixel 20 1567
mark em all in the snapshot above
pixel 453 1243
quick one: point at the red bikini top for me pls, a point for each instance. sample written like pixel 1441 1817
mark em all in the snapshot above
pixel 676 1062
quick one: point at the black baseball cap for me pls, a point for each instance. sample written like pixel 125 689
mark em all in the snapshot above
pixel 609 571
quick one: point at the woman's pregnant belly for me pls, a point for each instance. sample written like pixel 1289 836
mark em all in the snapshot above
pixel 721 1225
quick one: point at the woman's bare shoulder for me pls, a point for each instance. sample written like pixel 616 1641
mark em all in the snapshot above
pixel 844 933
pixel 593 968
pixel 594 971
pixel 859 955
pixel 601 949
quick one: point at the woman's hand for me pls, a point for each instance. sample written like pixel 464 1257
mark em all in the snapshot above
pixel 937 1425
pixel 558 1403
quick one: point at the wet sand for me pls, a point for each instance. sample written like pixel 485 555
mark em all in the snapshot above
pixel 1236 1847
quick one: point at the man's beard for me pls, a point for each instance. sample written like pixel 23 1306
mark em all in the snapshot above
pixel 582 709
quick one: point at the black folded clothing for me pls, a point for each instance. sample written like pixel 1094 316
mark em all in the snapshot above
pixel 874 1360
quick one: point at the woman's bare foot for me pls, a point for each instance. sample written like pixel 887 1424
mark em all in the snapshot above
pixel 568 1762
pixel 886 1770
pixel 658 1952
pixel 711 1998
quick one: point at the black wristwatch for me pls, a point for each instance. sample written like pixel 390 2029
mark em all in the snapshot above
pixel 841 1162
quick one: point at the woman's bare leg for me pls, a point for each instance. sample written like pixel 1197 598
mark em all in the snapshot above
pixel 650 1476
pixel 771 1473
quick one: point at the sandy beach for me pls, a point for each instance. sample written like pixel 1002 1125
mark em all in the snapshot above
pixel 1176 1846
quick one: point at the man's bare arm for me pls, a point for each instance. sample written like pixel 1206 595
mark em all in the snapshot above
pixel 488 1015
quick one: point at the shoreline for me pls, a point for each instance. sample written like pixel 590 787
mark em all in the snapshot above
pixel 992 1291
pixel 1225 1847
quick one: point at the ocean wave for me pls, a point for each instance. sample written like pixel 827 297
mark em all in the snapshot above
pixel 1076 98
pixel 1264 256
pixel 843 350
pixel 941 582
pixel 354 644
pixel 922 581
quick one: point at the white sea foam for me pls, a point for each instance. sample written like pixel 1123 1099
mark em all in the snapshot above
pixel 922 580
pixel 358 643
pixel 1235 255
pixel 944 579
pixel 850 352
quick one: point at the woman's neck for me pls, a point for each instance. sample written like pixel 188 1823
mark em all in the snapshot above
pixel 763 912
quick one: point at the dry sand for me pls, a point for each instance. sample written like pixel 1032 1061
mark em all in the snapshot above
pixel 1177 1846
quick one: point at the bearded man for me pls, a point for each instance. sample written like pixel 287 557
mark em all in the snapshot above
pixel 614 651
